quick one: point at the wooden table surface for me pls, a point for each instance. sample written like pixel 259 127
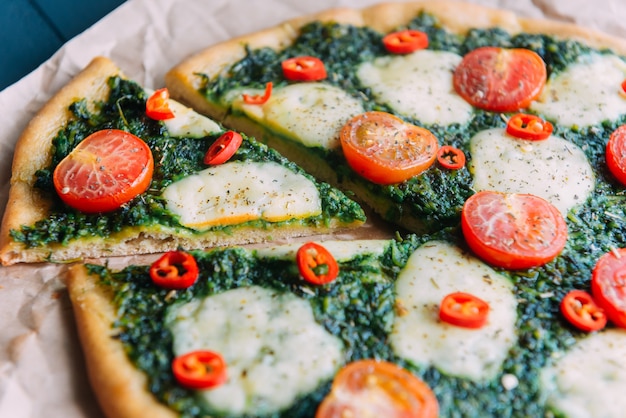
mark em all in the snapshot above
pixel 31 31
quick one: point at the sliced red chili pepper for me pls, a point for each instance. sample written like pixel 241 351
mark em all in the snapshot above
pixel 223 148
pixel 200 369
pixel 174 270
pixel 624 86
pixel 579 308
pixel 258 98
pixel 157 107
pixel 464 310
pixel 304 68
pixel 405 41
pixel 316 264
pixel 450 157
pixel 529 127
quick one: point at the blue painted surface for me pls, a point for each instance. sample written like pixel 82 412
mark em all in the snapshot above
pixel 32 30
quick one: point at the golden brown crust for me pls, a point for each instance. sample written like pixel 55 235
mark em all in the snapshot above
pixel 119 386
pixel 184 80
pixel 26 205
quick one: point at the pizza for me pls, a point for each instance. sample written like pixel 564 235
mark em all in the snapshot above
pixel 108 168
pixel 493 144
pixel 437 87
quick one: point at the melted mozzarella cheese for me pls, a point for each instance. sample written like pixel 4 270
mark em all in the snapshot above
pixel 272 345
pixel 341 250
pixel 586 93
pixel 310 113
pixel 238 191
pixel 418 85
pixel 553 169
pixel 588 381
pixel 433 271
pixel 188 123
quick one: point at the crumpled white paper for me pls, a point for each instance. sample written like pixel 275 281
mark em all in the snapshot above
pixel 41 363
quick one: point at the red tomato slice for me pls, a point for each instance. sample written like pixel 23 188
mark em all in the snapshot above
pixel 514 231
pixel 608 285
pixel 259 99
pixel 304 68
pixel 529 127
pixel 386 150
pixel 450 157
pixel 499 79
pixel 405 41
pixel 316 264
pixel 464 310
pixel 200 369
pixel 372 388
pixel 223 148
pixel 157 107
pixel 174 270
pixel 106 170
pixel 616 154
pixel 579 308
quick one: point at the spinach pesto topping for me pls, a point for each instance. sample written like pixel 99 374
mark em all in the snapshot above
pixel 437 195
pixel 176 158
pixel 359 308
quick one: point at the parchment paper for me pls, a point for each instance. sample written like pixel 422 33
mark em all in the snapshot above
pixel 41 363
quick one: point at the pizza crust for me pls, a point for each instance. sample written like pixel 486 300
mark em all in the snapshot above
pixel 26 205
pixel 184 81
pixel 121 389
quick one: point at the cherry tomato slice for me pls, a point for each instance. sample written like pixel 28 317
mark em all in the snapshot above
pixel 157 107
pixel 316 264
pixel 450 157
pixel 405 41
pixel 499 79
pixel 386 150
pixel 304 68
pixel 514 231
pixel 616 154
pixel 223 148
pixel 608 285
pixel 464 310
pixel 174 270
pixel 529 127
pixel 372 388
pixel 259 99
pixel 106 170
pixel 200 369
pixel 579 308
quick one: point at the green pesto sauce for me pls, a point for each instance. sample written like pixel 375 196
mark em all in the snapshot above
pixel 175 158
pixel 436 196
pixel 359 309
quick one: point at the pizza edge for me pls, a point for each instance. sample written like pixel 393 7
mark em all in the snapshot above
pixel 185 79
pixel 26 205
pixel 121 388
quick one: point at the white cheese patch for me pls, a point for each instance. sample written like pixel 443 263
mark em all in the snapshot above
pixel 341 250
pixel 553 169
pixel 433 271
pixel 418 85
pixel 588 381
pixel 586 93
pixel 238 191
pixel 310 113
pixel 272 345
pixel 187 122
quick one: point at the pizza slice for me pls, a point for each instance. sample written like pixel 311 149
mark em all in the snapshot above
pixel 385 101
pixel 391 328
pixel 108 168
